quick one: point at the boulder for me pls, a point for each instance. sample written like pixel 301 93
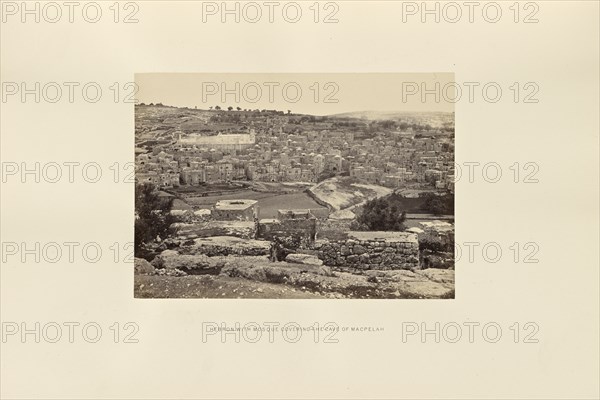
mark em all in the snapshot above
pixel 358 249
pixel 227 245
pixel 303 259
pixel 170 272
pixel 202 213
pixel 142 267
pixel 255 269
pixel 170 259
pixel 428 289
pixel 373 284
pixel 204 229
pixel 438 275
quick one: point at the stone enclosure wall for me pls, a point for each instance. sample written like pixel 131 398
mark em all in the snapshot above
pixel 356 255
pixel 303 229
pixel 333 229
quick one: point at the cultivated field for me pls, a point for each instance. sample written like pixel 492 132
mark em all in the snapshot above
pixel 268 203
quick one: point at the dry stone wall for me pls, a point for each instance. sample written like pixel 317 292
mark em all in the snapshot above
pixel 370 253
pixel 304 229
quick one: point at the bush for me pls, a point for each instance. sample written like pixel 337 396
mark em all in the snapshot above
pixel 358 226
pixel 435 246
pixel 153 217
pixel 381 215
pixel 438 205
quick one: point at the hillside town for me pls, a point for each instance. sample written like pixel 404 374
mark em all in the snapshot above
pixel 293 206
pixel 275 148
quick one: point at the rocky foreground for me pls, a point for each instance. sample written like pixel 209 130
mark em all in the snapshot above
pixel 176 275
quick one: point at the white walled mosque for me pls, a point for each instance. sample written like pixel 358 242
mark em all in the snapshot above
pixel 227 142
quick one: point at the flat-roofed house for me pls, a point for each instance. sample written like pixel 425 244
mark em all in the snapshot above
pixel 236 210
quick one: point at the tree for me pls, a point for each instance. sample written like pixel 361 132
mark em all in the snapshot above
pixel 229 108
pixel 210 108
pixel 217 107
pixel 388 124
pixel 239 108
pixel 381 215
pixel 438 204
pixel 153 217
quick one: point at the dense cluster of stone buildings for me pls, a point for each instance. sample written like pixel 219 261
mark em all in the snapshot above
pixel 391 158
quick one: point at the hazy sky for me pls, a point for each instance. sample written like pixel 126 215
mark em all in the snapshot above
pixel 318 94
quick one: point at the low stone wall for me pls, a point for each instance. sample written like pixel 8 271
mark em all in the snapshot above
pixel 333 229
pixel 371 250
pixel 227 246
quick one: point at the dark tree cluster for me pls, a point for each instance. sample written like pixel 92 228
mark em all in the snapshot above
pixel 438 205
pixel 153 216
pixel 381 215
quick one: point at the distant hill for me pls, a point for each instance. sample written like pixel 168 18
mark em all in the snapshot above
pixel 383 115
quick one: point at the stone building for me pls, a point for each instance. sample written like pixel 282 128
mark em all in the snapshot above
pixel 299 224
pixel 236 210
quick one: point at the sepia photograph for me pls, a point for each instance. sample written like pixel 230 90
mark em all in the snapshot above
pixel 299 200
pixel 235 201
